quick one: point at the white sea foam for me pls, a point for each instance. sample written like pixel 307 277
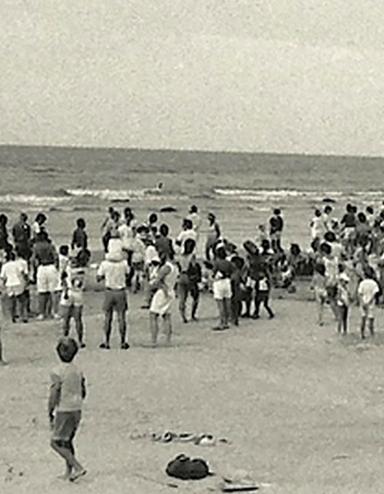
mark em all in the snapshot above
pixel 32 199
pixel 262 195
pixel 114 195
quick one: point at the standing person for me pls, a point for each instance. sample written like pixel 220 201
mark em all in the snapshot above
pixel 21 233
pixel 348 224
pixel 67 392
pixel 222 293
pixel 187 233
pixel 327 218
pixel 196 220
pixel 39 225
pixel 163 243
pixel 317 226
pixel 213 236
pixel 106 227
pixel 126 232
pixel 63 266
pixel 189 277
pixel 319 287
pixel 262 295
pixel 237 288
pixel 137 268
pixel 276 226
pixel 162 301
pixel 114 271
pixel 14 276
pixel 343 302
pixel 45 259
pixel 72 300
pixel 79 237
pixel 331 276
pixel 5 246
pixel 367 291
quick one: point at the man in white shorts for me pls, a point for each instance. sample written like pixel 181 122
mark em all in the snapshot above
pixel 47 278
pixel 367 291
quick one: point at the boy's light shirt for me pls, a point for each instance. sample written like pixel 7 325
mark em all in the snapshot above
pixel 70 379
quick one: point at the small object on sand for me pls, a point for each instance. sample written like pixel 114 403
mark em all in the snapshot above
pixel 168 209
pixel 239 481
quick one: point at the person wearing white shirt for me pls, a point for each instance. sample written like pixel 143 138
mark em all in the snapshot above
pixel 367 291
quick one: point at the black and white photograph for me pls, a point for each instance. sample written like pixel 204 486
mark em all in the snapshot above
pixel 191 246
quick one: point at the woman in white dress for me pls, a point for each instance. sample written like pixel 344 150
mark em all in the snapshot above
pixel 163 298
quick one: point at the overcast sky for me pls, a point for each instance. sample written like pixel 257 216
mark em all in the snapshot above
pixel 297 76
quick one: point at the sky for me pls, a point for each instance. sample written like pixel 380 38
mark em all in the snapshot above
pixel 292 76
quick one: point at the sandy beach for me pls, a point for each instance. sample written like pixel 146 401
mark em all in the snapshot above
pixel 299 405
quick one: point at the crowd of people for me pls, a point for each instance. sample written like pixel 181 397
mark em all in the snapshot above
pixel 345 263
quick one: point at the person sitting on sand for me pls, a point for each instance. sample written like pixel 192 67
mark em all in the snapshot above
pixel 162 301
pixel 67 392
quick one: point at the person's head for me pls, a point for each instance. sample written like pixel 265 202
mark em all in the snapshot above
pixel 128 213
pixel 187 224
pixel 211 218
pixel 328 209
pixel 193 209
pixel 220 253
pixel 42 236
pixel 238 262
pixel 319 268
pixel 164 229
pixel 369 210
pixel 349 208
pixel 265 245
pixel 317 213
pixel 325 249
pixel 369 273
pixel 67 349
pixel 110 211
pixel 80 222
pixel 115 216
pixel 354 209
pixel 295 250
pixel 189 246
pixel 330 237
pixel 361 217
pixel 64 250
pixel 23 217
pixel 152 219
pixel 10 255
pixel 277 212
pixel 262 228
pixel 3 219
pixel 40 218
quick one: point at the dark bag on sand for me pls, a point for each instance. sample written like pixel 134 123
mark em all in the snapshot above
pixel 185 468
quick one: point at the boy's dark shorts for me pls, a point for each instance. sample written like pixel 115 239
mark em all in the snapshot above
pixel 66 425
pixel 262 296
pixel 115 299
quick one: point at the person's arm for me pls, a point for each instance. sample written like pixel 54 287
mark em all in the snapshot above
pixel 162 273
pixel 53 399
pixel 100 273
pixel 217 229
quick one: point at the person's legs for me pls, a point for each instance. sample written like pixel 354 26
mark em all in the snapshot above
pixel 267 307
pixel 226 312
pixel 167 321
pixel 345 320
pixel 183 294
pixel 43 298
pixel 256 314
pixel 248 301
pixel 154 327
pixel 371 325
pixel 67 314
pixel 195 294
pixel 13 307
pixel 23 307
pixel 362 326
pixel 122 321
pixel 78 317
pixel 320 313
pixel 221 309
pixel 56 303
pixel 108 326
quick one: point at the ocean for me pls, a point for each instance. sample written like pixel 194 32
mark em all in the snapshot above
pixel 241 187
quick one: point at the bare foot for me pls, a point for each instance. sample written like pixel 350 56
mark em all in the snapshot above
pixel 77 474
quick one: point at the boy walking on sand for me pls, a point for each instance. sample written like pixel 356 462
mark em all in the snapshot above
pixel 66 396
pixel 367 291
